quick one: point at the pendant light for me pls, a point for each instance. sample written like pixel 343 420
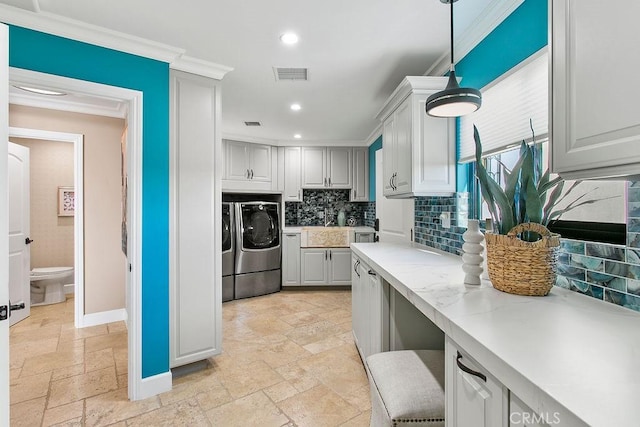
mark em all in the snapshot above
pixel 453 101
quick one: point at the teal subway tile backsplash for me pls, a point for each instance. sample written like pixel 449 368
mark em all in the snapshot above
pixel 620 278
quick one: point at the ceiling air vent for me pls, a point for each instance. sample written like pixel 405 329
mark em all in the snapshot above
pixel 252 124
pixel 291 74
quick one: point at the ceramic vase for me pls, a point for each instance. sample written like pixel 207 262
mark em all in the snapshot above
pixel 473 250
pixel 342 218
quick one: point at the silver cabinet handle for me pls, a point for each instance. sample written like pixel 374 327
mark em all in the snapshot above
pixel 325 182
pixel 325 255
pixel 247 173
pixel 251 173
pixel 329 255
pixel 329 181
pixel 371 272
pixel 299 195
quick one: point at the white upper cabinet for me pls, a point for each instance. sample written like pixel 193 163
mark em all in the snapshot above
pixel 290 174
pixel 596 121
pixel 249 167
pixel 360 189
pixel 326 167
pixel 419 151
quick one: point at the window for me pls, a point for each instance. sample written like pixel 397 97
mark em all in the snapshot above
pixel 503 123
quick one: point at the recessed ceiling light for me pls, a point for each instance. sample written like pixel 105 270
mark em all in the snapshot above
pixel 289 38
pixel 40 91
pixel 297 136
pixel 296 107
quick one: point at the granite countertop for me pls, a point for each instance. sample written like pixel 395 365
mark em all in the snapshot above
pixel 565 352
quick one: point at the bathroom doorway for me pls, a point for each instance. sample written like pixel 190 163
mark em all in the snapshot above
pixel 61 233
pixel 131 101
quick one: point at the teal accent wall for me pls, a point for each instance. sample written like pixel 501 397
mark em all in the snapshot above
pixel 45 53
pixel 377 145
pixel 519 36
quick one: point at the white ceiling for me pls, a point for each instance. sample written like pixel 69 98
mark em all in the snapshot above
pixel 357 52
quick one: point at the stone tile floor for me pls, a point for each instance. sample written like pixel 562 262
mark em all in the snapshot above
pixel 288 360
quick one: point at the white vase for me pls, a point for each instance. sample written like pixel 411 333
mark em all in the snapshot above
pixel 472 257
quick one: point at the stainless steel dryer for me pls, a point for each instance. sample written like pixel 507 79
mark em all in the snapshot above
pixel 258 249
pixel 228 252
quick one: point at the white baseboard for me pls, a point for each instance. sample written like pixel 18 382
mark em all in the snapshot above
pixel 103 317
pixel 152 386
pixel 69 289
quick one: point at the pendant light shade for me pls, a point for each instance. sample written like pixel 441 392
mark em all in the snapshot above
pixel 453 101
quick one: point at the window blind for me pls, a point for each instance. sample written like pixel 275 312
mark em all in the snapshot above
pixel 507 106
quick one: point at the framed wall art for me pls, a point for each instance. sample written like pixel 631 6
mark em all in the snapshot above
pixel 66 201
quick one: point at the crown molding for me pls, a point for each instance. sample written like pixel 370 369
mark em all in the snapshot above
pixel 374 135
pixel 60 103
pixel 100 36
pixel 192 65
pixel 484 24
pixel 293 142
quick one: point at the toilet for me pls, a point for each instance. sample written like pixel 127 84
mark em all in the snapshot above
pixel 47 284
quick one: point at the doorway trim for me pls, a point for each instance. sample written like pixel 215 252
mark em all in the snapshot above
pixel 138 387
pixel 78 220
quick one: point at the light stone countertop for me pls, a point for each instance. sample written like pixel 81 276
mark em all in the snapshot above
pixel 298 228
pixel 564 352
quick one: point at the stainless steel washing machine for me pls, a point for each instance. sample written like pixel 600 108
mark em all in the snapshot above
pixel 258 249
pixel 228 252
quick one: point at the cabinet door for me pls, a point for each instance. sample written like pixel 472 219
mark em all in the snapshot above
pixel 314 167
pixel 291 259
pixel 292 178
pixel 314 266
pixel 360 189
pixel 339 167
pixel 471 400
pixel 358 304
pixel 339 266
pixel 378 319
pixel 520 415
pixel 434 153
pixel 195 284
pixel 596 125
pixel 389 153
pixel 236 161
pixel 260 162
pixel 403 136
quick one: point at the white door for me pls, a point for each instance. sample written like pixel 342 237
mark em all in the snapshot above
pixel 339 167
pixel 236 162
pixel 314 167
pixel 396 216
pixel 4 221
pixel 19 252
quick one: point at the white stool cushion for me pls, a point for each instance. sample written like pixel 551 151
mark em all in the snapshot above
pixel 407 388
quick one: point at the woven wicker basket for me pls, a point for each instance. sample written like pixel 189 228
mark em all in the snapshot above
pixel 519 267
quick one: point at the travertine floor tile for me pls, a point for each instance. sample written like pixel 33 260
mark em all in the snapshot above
pixel 184 413
pixel 28 413
pixel 108 408
pixel 288 360
pixel 253 410
pixel 64 414
pixel 29 387
pixel 82 386
pixel 318 407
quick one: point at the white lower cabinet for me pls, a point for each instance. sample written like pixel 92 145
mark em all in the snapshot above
pixel 325 266
pixel 370 309
pixel 520 415
pixel 291 259
pixel 474 397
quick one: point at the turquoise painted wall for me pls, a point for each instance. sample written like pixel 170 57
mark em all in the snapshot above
pixel 519 36
pixel 377 145
pixel 45 53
